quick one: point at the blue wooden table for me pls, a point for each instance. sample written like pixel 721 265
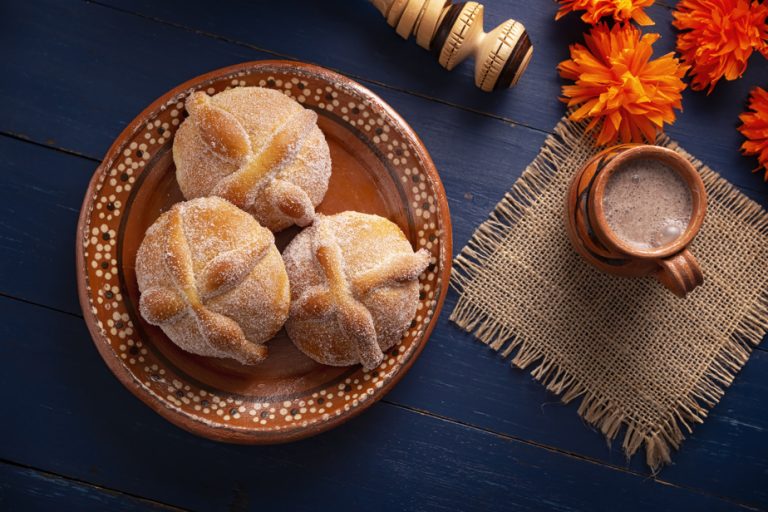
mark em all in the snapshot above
pixel 463 430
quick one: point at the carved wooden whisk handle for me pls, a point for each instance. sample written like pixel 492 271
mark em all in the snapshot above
pixel 454 32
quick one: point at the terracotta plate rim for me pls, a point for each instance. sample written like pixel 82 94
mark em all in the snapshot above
pixel 237 434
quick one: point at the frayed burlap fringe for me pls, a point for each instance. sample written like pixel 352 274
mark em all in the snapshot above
pixel 659 434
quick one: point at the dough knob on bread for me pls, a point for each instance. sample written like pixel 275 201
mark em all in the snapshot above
pixel 292 201
pixel 212 279
pixel 257 148
pixel 219 130
pixel 354 288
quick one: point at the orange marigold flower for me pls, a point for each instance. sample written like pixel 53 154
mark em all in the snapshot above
pixel 755 128
pixel 620 87
pixel 619 10
pixel 719 36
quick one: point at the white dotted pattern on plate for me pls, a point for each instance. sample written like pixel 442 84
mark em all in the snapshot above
pixel 101 263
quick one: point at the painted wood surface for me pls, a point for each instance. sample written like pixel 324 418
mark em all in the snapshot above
pixel 463 429
pixel 30 490
pixel 74 418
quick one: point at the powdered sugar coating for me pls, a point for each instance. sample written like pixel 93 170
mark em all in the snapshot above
pixel 260 113
pixel 251 289
pixel 367 243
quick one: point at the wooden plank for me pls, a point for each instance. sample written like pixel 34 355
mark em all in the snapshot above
pixel 75 74
pixel 30 490
pixel 353 38
pixel 73 418
pixel 489 149
pixel 33 187
pixel 456 376
pixel 486 393
pixel 477 167
pixel 461 160
pixel 453 365
pixel 324 30
pixel 124 73
pixel 459 377
pixel 45 189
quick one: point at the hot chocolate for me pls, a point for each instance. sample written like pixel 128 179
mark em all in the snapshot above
pixel 647 204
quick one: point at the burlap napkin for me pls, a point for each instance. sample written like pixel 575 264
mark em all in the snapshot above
pixel 636 355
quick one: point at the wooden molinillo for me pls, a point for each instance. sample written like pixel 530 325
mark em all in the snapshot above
pixel 453 32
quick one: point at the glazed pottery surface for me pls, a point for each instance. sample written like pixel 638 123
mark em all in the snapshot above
pixel 379 166
pixel 588 230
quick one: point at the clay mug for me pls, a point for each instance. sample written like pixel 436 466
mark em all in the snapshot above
pixel 672 264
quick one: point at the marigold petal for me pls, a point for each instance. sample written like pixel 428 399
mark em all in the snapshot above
pixel 642 19
pixel 717 37
pixel 619 10
pixel 618 85
pixel 754 127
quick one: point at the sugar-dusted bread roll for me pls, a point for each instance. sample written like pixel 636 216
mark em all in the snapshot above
pixel 354 288
pixel 211 277
pixel 257 148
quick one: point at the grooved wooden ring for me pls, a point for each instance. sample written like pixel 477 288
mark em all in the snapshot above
pixel 444 29
pixel 396 11
pixel 428 24
pixel 409 17
pixel 457 35
pixel 516 63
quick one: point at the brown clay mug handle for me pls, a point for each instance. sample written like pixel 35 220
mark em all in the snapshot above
pixel 680 273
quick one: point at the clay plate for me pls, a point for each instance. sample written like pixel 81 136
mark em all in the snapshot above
pixel 379 166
